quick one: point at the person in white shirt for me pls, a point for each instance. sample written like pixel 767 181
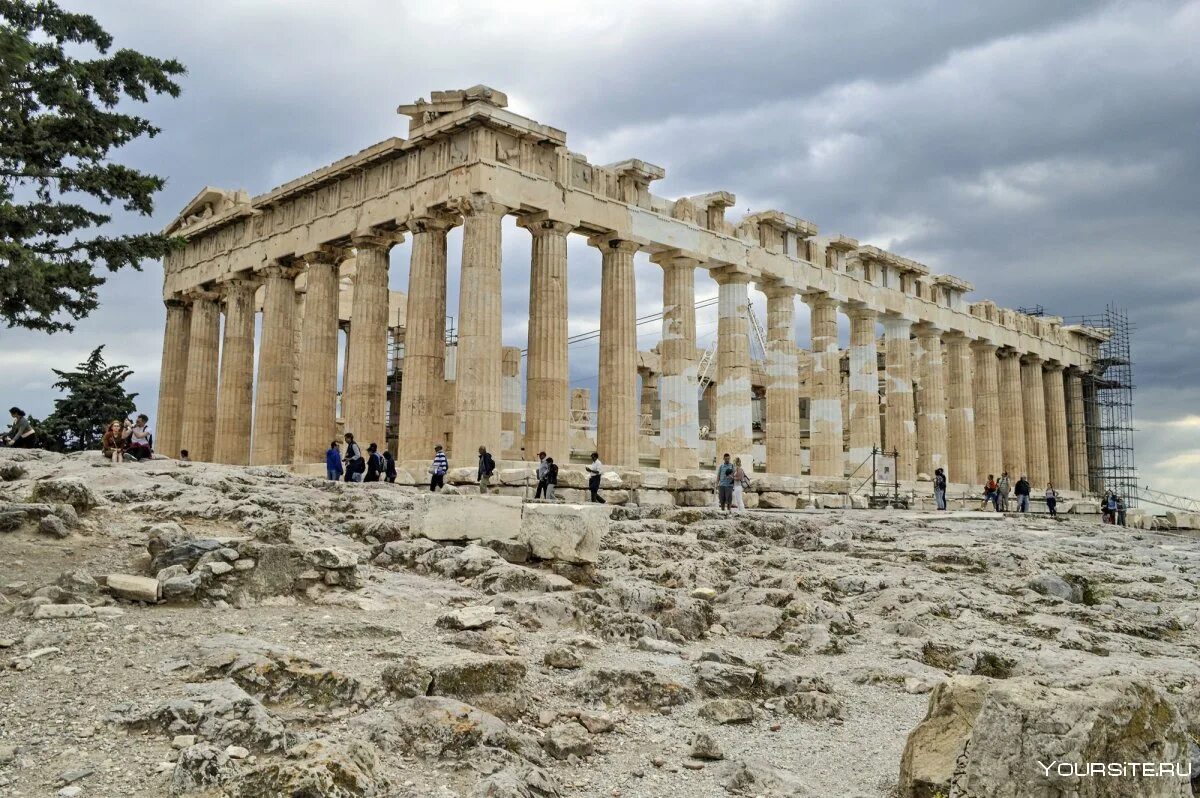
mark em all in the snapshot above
pixel 595 469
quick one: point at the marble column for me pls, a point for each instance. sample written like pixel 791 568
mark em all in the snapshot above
pixel 1033 393
pixel 734 427
pixel 477 394
pixel 930 399
pixel 547 400
pixel 273 393
pixel 617 416
pixel 1057 447
pixel 679 411
pixel 1012 415
pixel 783 382
pixel 172 384
pixel 1076 431
pixel 901 424
pixel 235 397
pixel 864 386
pixel 989 457
pixel 1095 453
pixel 316 408
pixel 366 394
pixel 510 404
pixel 200 408
pixel 961 417
pixel 825 408
pixel 421 395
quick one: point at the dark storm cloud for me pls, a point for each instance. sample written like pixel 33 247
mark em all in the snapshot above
pixel 1046 152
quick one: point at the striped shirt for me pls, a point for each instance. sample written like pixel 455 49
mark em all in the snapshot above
pixel 440 464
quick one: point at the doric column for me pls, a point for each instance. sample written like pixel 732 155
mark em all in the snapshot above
pixel 273 393
pixel 901 424
pixel 172 381
pixel 235 397
pixel 930 396
pixel 510 403
pixel 316 409
pixel 783 382
pixel 961 402
pixel 1095 452
pixel 366 400
pixel 1076 431
pixel 1033 392
pixel 1012 415
pixel 477 397
pixel 864 385
pixel 825 408
pixel 735 421
pixel 679 412
pixel 616 423
pixel 200 406
pixel 421 395
pixel 547 374
pixel 989 458
pixel 1056 426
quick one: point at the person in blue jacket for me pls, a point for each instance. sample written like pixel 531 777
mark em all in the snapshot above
pixel 333 461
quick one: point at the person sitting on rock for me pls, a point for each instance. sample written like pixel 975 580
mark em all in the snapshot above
pixel 139 439
pixel 112 444
pixel 20 434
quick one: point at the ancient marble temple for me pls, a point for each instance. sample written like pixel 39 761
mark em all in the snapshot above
pixel 969 386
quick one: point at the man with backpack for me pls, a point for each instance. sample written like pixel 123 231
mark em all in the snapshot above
pixel 551 478
pixel 487 467
pixel 375 464
pixel 541 476
pixel 438 469
pixel 355 465
pixel 939 488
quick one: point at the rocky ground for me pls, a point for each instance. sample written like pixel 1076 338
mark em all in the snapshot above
pixel 170 628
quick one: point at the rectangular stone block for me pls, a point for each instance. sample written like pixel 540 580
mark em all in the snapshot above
pixel 655 479
pixel 697 498
pixel 517 476
pixel 777 501
pixel 134 588
pixel 568 532
pixel 648 497
pixel 466 517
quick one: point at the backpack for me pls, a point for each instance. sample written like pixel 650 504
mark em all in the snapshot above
pixel 552 474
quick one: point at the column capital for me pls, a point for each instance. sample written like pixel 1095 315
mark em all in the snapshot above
pixel 892 322
pixel 1053 365
pixel 238 282
pixel 674 258
pixel 1005 352
pixel 176 302
pixel 981 345
pixel 730 275
pixel 376 239
pixel 478 204
pixel 201 295
pixel 1030 358
pixel 278 269
pixel 778 290
pixel 859 311
pixel 542 224
pixel 326 254
pixel 819 300
pixel 925 329
pixel 610 241
pixel 432 222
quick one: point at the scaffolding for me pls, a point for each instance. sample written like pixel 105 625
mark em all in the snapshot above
pixel 1108 408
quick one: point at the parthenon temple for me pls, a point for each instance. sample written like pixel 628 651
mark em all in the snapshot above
pixel 966 386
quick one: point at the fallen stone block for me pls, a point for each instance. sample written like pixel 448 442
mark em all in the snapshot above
pixel 467 517
pixel 134 588
pixel 570 532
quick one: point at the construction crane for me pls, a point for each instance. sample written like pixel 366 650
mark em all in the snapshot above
pixel 758 351
pixel 1169 500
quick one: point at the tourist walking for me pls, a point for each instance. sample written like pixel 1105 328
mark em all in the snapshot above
pixel 740 483
pixel 487 467
pixel 551 478
pixel 374 464
pixel 389 466
pixel 355 465
pixel 333 461
pixel 1002 490
pixel 140 437
pixel 1051 499
pixel 541 476
pixel 112 444
pixel 1022 490
pixel 438 469
pixel 939 488
pixel 595 469
pixel 991 493
pixel 1120 510
pixel 1110 507
pixel 21 434
pixel 725 472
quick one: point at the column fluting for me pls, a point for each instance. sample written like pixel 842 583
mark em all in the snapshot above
pixel 734 426
pixel 930 399
pixel 783 383
pixel 679 411
pixel 316 409
pixel 200 407
pixel 825 407
pixel 547 399
pixel 172 383
pixel 1012 415
pixel 1037 460
pixel 1077 431
pixel 989 457
pixel 961 416
pixel 1057 447
pixel 901 422
pixel 273 392
pixel 235 396
pixel 864 385
pixel 616 423
pixel 366 395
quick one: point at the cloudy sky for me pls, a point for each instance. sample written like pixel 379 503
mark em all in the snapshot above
pixel 1046 152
